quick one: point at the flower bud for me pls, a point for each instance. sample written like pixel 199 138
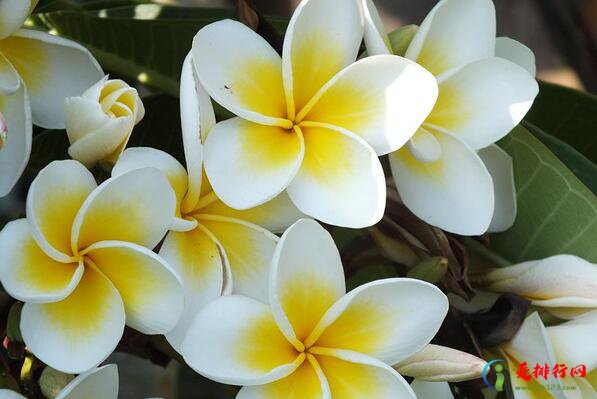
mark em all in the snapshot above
pixel 565 285
pixel 53 381
pixel 439 363
pixel 431 269
pixel 3 131
pixel 100 122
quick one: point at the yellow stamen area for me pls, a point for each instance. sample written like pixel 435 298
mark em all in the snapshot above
pixel 258 84
pixel 240 244
pixel 268 147
pixel 346 104
pixel 449 111
pixel 327 154
pixel 56 221
pixel 83 312
pixel 42 272
pixel 305 301
pixel 302 384
pixel 350 380
pixel 263 347
pixel 29 59
pixel 314 63
pixel 435 60
pixel 362 327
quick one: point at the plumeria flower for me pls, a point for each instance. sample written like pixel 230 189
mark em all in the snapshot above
pixel 99 123
pixel 570 344
pixel 100 383
pixel 312 121
pixel 482 96
pixel 38 71
pixel 80 262
pixel 564 285
pixel 313 340
pixel 215 249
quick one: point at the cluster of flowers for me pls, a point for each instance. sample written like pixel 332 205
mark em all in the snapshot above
pixel 240 304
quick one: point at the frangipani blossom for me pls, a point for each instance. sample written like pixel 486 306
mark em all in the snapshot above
pixel 81 263
pixel 564 285
pixel 313 340
pixel 37 71
pixel 99 123
pixel 482 96
pixel 215 249
pixel 312 121
pixel 100 383
pixel 571 343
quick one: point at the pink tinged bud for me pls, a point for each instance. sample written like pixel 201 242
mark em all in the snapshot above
pixel 3 131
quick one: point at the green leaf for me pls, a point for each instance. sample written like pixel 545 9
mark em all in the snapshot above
pixel 583 168
pixel 569 115
pixel 146 42
pixel 556 212
pixel 160 128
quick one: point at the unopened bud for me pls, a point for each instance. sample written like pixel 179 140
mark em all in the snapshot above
pixel 393 248
pixel 431 269
pixel 53 381
pixel 400 38
pixel 439 363
pixel 99 123
pixel 13 330
pixel 565 285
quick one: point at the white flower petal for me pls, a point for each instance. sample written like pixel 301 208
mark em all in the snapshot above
pixel 54 199
pixel 322 38
pixel 341 181
pixel 387 319
pixel 53 68
pixel 79 332
pixel 197 119
pixel 248 249
pixel 17 148
pixel 501 168
pixel 146 157
pixel 431 390
pixel 454 193
pixel 275 215
pixel 352 375
pixel 249 164
pixel 28 274
pixel 531 344
pixel 465 108
pixel 241 72
pixel 376 39
pixel 454 33
pixel 307 278
pixel 9 78
pixel 135 207
pixel 573 341
pixel 235 340
pixel 383 99
pixel 150 289
pixel 306 382
pixel 516 52
pixel 100 383
pixel 201 264
pixel 13 14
